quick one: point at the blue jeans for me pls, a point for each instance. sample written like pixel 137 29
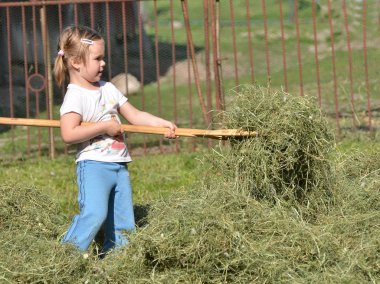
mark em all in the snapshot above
pixel 104 196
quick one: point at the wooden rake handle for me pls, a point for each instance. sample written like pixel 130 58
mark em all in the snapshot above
pixel 221 134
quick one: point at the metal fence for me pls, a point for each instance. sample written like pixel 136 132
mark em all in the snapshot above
pixel 179 59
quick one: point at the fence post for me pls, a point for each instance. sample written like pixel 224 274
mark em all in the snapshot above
pixel 206 115
pixel 214 12
pixel 49 95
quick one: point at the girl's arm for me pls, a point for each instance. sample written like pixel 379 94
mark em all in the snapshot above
pixel 138 117
pixel 72 132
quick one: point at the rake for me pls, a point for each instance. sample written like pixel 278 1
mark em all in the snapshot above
pixel 220 134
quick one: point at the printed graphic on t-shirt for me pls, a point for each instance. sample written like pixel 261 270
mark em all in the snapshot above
pixel 107 105
pixel 107 146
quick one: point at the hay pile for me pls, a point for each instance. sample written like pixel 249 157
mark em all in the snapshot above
pixel 221 236
pixel 261 213
pixel 30 227
pixel 290 157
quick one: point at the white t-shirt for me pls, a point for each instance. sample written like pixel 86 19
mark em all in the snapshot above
pixel 95 106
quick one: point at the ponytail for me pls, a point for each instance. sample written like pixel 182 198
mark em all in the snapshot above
pixel 60 70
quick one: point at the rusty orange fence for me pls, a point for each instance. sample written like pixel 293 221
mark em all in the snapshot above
pixel 180 59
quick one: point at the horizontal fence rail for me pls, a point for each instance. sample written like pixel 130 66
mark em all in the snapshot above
pixel 180 59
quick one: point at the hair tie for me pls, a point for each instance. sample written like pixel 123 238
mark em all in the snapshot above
pixel 61 53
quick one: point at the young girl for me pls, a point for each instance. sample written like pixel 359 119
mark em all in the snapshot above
pixel 104 194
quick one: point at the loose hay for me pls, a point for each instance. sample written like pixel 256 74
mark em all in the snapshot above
pixel 290 157
pixel 28 211
pixel 30 227
pixel 217 235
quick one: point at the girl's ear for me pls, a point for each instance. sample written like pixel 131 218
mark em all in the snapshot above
pixel 75 62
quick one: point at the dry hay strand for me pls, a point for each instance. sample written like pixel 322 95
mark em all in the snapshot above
pixel 30 228
pixel 359 164
pixel 361 170
pixel 290 157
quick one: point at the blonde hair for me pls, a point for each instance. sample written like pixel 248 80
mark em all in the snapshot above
pixel 72 44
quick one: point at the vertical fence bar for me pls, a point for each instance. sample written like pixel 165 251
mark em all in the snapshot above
pixel 109 47
pixel 60 28
pixel 125 53
pixel 217 21
pixel 216 56
pixel 34 39
pixel 27 98
pixel 141 51
pixel 76 14
pixel 206 115
pixel 234 42
pixel 298 46
pixel 207 59
pixel 156 49
pixel 48 76
pixel 283 47
pixel 364 25
pixel 141 61
pixel 10 78
pixel 9 43
pixel 92 16
pixel 60 18
pixel 36 71
pixel 175 115
pixel 250 47
pixel 35 58
pixel 266 37
pixel 348 40
pixel 316 54
pixel 337 116
pixel 207 54
pixel 190 94
pixel 125 45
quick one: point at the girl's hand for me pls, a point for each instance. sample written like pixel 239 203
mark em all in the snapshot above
pixel 170 134
pixel 73 132
pixel 113 128
pixel 138 117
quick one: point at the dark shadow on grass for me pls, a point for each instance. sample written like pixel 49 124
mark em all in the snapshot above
pixel 141 213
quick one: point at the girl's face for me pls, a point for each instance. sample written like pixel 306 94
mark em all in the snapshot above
pixel 91 71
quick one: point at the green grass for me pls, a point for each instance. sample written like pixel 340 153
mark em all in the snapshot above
pixel 153 177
